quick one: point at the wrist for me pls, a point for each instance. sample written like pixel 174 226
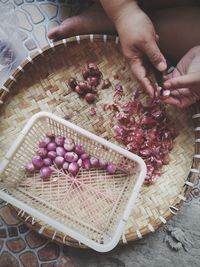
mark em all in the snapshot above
pixel 126 10
pixel 115 9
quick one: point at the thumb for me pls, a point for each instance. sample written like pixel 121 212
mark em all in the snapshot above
pixel 155 56
pixel 188 80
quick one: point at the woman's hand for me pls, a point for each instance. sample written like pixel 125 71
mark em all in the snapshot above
pixel 138 38
pixel 184 81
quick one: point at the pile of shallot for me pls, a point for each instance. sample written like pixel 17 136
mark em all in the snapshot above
pixel 63 153
pixel 93 81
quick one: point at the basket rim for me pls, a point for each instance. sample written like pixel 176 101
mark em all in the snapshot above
pixel 52 47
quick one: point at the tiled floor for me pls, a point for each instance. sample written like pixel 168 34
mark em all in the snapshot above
pixel 36 18
pixel 20 246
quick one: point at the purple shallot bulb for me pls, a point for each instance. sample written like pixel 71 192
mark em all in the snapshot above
pixel 103 163
pixel 79 150
pixel 42 152
pixel 52 154
pixel 85 156
pixel 86 164
pixel 47 162
pixel 111 168
pixel 69 144
pixel 59 140
pixel 60 151
pixel 73 168
pixel 65 166
pixel 80 162
pixel 71 157
pixel 59 161
pixel 45 172
pixel 94 162
pixel 30 167
pixel 37 162
pixel 51 146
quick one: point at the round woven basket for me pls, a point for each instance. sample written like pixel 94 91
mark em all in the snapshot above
pixel 40 84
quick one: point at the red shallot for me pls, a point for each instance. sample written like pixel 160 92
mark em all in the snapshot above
pixel 37 162
pixel 73 168
pixel 45 172
pixel 30 167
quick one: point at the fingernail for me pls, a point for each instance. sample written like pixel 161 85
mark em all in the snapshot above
pixel 167 85
pixel 162 66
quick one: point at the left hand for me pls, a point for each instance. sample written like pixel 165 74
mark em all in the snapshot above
pixel 184 81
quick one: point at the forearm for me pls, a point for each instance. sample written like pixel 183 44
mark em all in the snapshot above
pixel 115 9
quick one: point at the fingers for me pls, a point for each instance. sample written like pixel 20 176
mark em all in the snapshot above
pixel 180 102
pixel 66 29
pixel 57 33
pixel 140 74
pixel 173 101
pixel 188 80
pixel 155 56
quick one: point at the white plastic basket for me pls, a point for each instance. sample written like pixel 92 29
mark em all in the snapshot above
pixel 94 210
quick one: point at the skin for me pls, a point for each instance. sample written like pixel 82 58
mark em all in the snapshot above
pixel 168 22
pixel 184 81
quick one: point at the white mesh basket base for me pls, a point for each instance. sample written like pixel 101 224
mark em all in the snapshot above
pixel 92 207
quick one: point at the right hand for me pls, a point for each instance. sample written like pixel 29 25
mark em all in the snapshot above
pixel 139 41
pixel 184 81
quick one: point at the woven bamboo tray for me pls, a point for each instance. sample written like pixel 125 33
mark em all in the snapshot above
pixel 39 84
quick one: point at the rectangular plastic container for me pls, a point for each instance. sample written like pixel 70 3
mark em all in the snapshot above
pixel 93 207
